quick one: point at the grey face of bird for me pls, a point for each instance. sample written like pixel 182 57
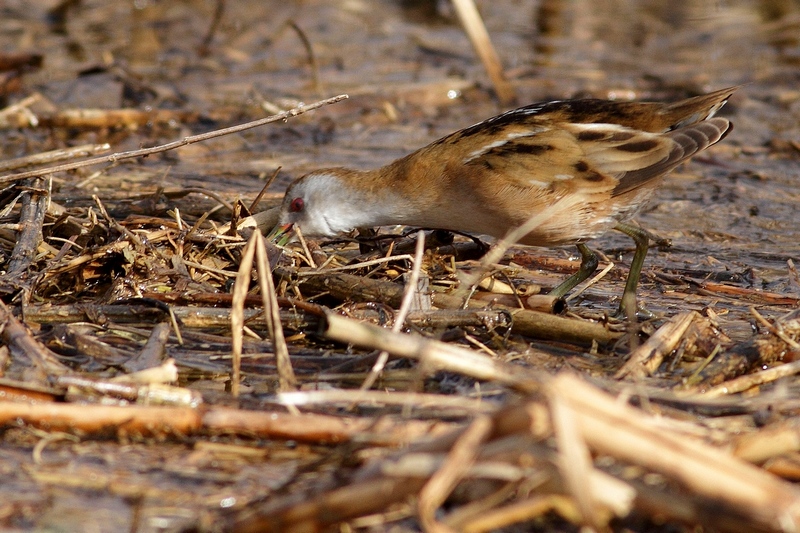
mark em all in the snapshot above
pixel 322 204
pixel 306 205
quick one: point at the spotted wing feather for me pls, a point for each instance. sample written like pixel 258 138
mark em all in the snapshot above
pixel 549 160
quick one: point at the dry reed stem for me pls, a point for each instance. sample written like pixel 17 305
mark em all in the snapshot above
pixel 263 191
pixel 495 286
pixel 776 329
pixel 173 321
pixel 749 381
pixel 96 118
pixel 125 421
pixel 154 349
pixel 577 291
pixel 433 354
pixel 357 266
pixel 646 359
pixel 461 517
pixel 794 277
pixel 411 285
pixel 263 221
pixel 542 303
pixel 525 322
pixel 203 48
pixel 545 303
pixel 298 515
pixel 312 57
pixel 522 511
pixel 751 497
pixel 476 30
pixel 147 387
pixel 142 421
pixel 320 429
pixel 307 254
pixel 240 290
pixel 144 315
pixel 736 294
pixel 166 372
pixel 286 377
pixel 416 400
pixel 21 108
pixel 459 459
pixel 441 318
pixel 575 461
pixel 629 435
pixel 777 440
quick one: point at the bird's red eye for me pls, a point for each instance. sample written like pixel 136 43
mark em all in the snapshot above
pixel 297 205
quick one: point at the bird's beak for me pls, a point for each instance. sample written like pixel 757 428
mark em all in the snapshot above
pixel 281 234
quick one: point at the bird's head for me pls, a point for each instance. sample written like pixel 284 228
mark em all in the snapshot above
pixel 323 203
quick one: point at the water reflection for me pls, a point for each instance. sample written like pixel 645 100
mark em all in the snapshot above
pixel 693 40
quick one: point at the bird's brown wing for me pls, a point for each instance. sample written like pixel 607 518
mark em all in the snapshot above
pixel 592 158
pixel 570 158
pixel 686 142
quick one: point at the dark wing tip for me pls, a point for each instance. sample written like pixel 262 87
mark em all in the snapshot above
pixel 688 140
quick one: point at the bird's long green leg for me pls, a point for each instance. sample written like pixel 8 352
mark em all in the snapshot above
pixel 627 307
pixel 587 268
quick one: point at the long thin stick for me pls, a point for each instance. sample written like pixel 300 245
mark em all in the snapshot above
pixel 405 307
pixel 119 156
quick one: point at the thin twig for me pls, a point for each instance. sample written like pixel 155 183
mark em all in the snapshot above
pixel 205 45
pixel 304 244
pixel 356 266
pixel 263 191
pixel 312 57
pixel 600 275
pixel 52 156
pixel 405 307
pixel 499 249
pixel 119 156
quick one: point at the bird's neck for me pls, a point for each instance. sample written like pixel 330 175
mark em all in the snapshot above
pixel 379 197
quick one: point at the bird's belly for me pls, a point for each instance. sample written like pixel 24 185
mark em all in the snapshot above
pixel 548 231
pixel 584 221
pixel 568 219
pixel 570 232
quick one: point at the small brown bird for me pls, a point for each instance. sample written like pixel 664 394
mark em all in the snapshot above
pixel 586 165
